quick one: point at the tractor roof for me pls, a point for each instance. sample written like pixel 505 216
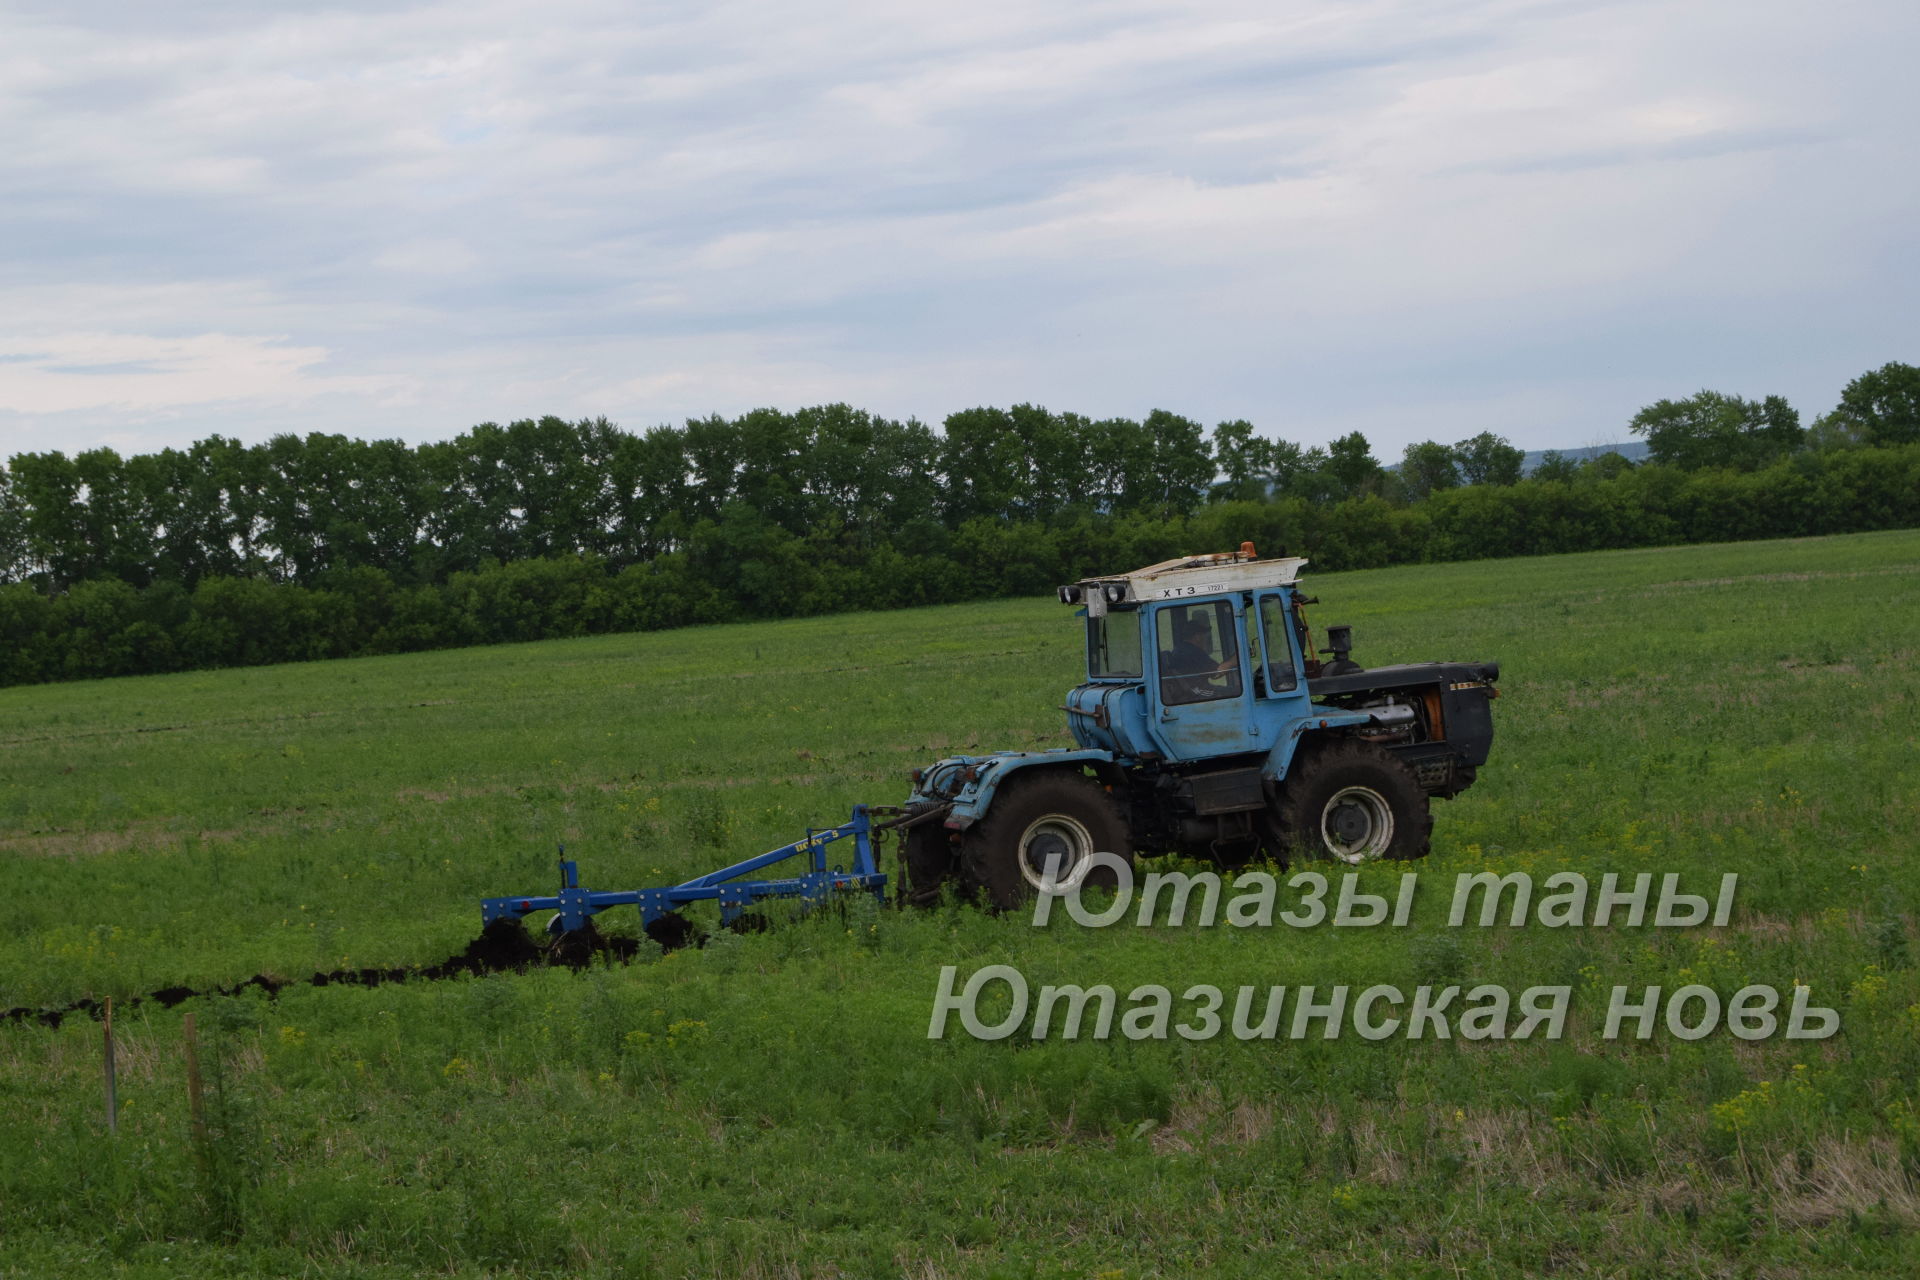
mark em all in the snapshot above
pixel 1216 574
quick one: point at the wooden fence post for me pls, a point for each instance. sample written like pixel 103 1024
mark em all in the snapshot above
pixel 113 1100
pixel 196 1107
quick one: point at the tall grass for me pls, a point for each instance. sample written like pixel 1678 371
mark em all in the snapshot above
pixel 771 1105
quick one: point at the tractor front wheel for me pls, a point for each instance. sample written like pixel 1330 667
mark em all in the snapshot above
pixel 1353 802
pixel 1038 818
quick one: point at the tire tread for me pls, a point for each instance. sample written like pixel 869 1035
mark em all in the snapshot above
pixel 1335 762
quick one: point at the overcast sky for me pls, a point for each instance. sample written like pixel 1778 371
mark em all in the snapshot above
pixel 1418 220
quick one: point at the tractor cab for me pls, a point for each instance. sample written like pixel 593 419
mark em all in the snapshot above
pixel 1206 726
pixel 1192 659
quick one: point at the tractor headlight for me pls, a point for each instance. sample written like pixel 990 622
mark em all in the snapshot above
pixel 1070 595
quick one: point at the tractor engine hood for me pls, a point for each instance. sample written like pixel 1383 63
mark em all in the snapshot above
pixel 1405 675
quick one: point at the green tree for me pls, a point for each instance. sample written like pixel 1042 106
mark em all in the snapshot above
pixel 1119 465
pixel 982 465
pixel 558 496
pixel 1183 466
pixel 1351 466
pixel 1245 462
pixel 290 532
pixel 83 517
pixel 837 480
pixel 29 647
pixel 1556 467
pixel 1053 449
pixel 1309 480
pixel 533 488
pixel 14 561
pixel 1835 431
pixel 1285 462
pixel 196 495
pixel 1605 466
pixel 1711 429
pixel 713 450
pixel 768 477
pixel 904 463
pixel 1489 459
pixel 650 491
pixel 1427 467
pixel 45 490
pixel 1881 406
pixel 597 503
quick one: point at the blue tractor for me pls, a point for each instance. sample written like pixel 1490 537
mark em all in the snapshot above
pixel 1208 726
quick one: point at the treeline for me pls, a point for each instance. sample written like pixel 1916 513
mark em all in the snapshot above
pixel 729 570
pixel 296 509
pixel 325 546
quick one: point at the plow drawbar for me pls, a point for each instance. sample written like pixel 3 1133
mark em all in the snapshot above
pixel 575 907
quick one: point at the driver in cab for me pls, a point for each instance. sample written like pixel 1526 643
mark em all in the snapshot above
pixel 1189 671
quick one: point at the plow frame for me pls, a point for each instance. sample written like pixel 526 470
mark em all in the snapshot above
pixel 576 906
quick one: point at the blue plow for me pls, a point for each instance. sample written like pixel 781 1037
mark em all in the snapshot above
pixel 575 907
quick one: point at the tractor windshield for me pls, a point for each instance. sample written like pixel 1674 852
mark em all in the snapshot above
pixel 1113 646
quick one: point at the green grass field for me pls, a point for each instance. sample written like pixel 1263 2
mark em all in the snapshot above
pixel 770 1105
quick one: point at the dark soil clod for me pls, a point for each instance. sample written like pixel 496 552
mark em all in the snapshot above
pixel 576 950
pixel 672 931
pixel 502 947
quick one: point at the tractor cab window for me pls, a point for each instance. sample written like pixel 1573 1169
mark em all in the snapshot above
pixel 1113 646
pixel 1199 658
pixel 1255 662
pixel 1274 621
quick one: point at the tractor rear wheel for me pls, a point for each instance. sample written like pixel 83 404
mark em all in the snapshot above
pixel 927 855
pixel 1038 817
pixel 1353 802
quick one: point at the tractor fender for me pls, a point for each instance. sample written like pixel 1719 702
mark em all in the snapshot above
pixel 976 796
pixel 1280 758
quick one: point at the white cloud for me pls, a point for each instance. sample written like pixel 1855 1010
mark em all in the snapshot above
pixel 51 373
pixel 1532 215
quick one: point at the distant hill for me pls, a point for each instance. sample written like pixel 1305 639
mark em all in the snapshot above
pixel 1632 451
